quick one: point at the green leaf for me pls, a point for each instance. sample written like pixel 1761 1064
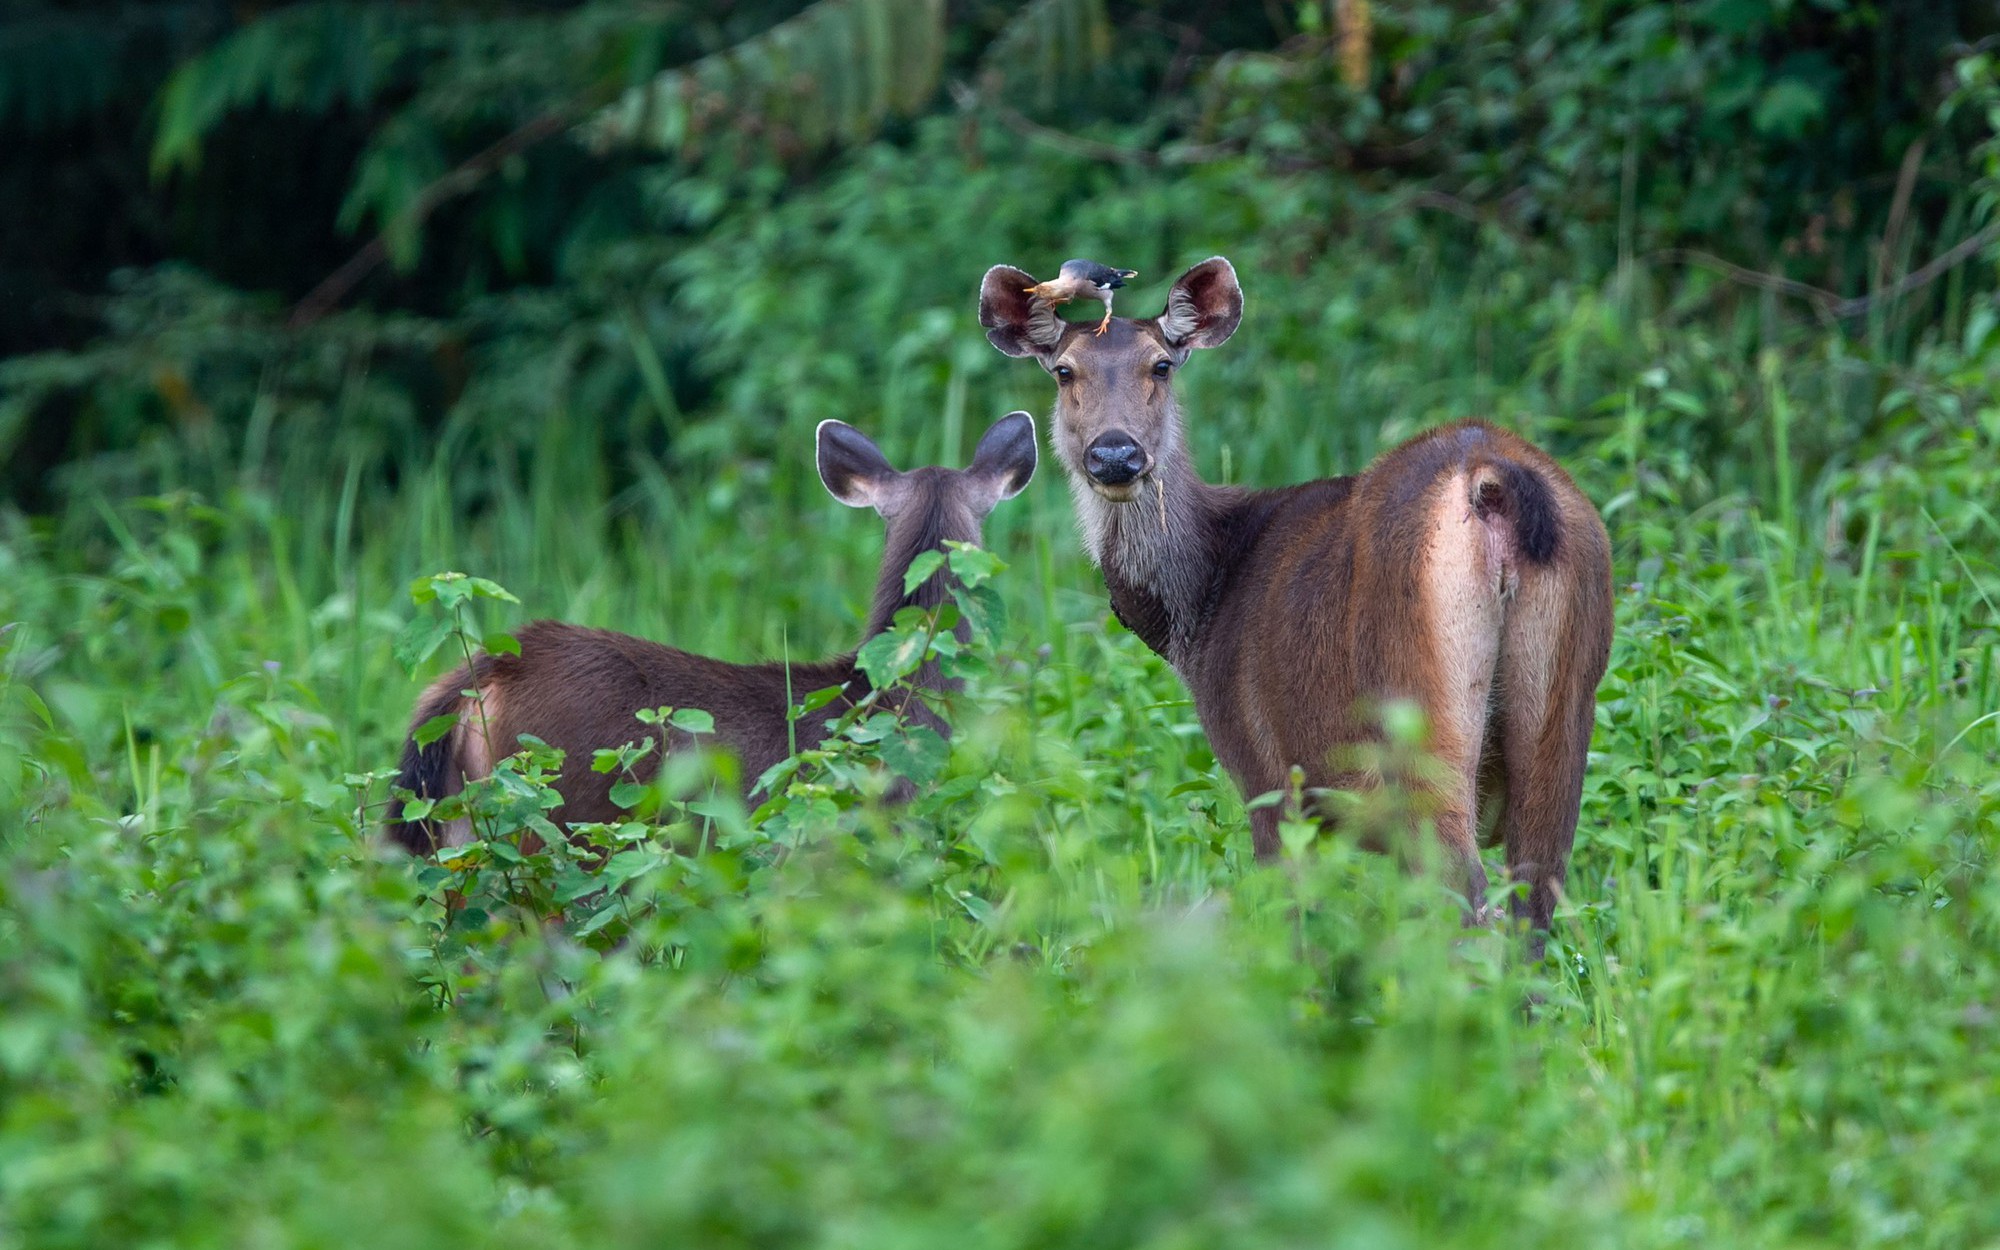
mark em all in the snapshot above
pixel 433 729
pixel 572 883
pixel 817 700
pixel 976 907
pixel 425 589
pixel 505 852
pixel 598 919
pixel 481 588
pixel 875 728
pixel 921 569
pixel 452 591
pixel 612 759
pixel 500 644
pixel 891 655
pixel 767 783
pixel 985 609
pixel 919 753
pixel 420 639
pixel 628 866
pixel 628 794
pixel 974 566
pixel 693 720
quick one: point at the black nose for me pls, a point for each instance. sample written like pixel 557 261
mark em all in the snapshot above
pixel 1113 459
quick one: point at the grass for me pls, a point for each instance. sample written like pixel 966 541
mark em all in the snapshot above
pixel 1051 1003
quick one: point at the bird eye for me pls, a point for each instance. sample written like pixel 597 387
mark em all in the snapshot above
pixel 1161 368
pixel 1064 373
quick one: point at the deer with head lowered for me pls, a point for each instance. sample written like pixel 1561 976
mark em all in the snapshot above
pixel 1462 570
pixel 581 690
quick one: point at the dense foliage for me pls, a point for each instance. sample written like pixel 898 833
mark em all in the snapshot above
pixel 1725 258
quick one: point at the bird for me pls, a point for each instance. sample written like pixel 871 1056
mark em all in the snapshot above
pixel 1083 279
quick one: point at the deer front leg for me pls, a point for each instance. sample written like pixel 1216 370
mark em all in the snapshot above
pixel 1264 840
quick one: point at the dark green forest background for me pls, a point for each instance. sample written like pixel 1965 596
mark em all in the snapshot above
pixel 686 232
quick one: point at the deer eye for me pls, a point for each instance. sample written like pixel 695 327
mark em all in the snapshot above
pixel 1064 373
pixel 1161 368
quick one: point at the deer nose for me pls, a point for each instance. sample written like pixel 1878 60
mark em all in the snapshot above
pixel 1113 459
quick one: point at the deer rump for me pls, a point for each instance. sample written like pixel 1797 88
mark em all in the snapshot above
pixel 1443 574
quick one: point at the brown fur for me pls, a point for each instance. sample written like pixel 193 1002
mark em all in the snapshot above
pixel 580 689
pixel 1462 570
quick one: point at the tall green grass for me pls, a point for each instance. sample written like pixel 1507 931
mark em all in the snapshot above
pixel 1054 1004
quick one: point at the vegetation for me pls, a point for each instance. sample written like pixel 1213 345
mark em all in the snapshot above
pixel 1728 260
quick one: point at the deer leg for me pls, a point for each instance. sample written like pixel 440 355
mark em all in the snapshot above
pixel 1456 794
pixel 1264 839
pixel 1550 704
pixel 1462 575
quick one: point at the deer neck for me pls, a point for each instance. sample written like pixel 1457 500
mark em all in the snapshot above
pixel 1157 552
pixel 927 526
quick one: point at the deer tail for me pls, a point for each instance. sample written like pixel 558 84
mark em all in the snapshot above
pixel 438 768
pixel 1514 494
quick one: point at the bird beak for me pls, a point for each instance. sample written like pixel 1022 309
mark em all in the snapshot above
pixel 1036 290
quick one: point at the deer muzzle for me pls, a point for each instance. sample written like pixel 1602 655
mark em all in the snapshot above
pixel 1114 461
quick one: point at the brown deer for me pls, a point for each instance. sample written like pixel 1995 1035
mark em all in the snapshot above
pixel 581 689
pixel 1463 570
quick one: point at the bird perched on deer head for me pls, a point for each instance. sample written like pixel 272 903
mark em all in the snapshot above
pixel 1083 279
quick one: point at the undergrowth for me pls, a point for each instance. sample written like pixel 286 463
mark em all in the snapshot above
pixel 1049 1001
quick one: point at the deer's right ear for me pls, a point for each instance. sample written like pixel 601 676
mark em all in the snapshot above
pixel 1016 322
pixel 1006 455
pixel 852 466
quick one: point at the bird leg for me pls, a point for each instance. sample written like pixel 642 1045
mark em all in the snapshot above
pixel 1105 324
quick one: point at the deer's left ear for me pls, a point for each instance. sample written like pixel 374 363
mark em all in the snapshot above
pixel 1006 455
pixel 1203 307
pixel 1016 322
pixel 853 468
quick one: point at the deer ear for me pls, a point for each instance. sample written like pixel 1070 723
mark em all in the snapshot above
pixel 1006 455
pixel 1016 322
pixel 853 467
pixel 1203 307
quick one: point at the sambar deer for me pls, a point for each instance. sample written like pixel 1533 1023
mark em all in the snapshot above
pixel 1462 570
pixel 581 689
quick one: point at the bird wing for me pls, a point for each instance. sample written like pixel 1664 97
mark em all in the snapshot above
pixel 1100 275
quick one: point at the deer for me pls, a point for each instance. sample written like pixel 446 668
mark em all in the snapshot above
pixel 581 689
pixel 1462 571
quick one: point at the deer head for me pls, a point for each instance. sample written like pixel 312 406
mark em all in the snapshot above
pixel 1116 418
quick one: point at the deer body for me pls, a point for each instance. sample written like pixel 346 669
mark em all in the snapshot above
pixel 581 689
pixel 1462 571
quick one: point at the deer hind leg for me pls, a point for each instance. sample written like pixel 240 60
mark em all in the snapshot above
pixel 1467 569
pixel 1548 704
